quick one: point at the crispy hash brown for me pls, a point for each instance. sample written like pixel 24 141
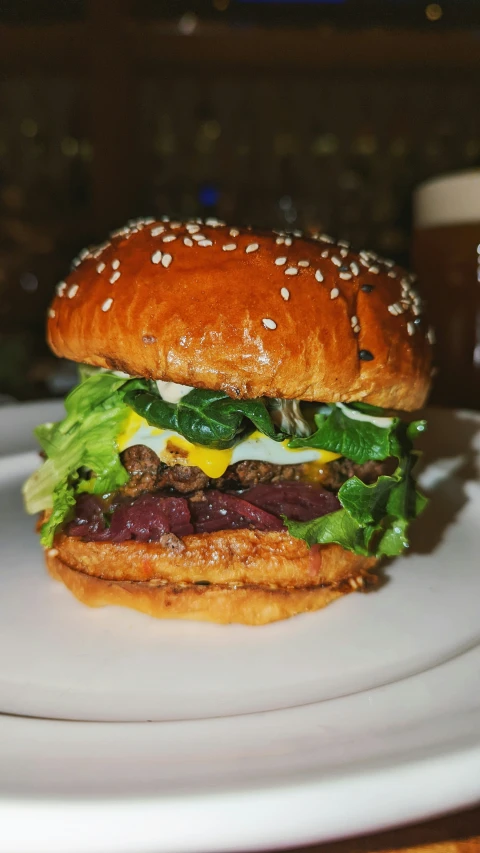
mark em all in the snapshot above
pixel 227 556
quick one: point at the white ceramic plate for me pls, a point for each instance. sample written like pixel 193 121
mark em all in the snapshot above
pixel 316 771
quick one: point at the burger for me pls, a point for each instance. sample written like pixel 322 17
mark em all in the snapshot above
pixel 233 450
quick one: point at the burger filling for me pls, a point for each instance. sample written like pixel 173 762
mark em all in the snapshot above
pixel 135 460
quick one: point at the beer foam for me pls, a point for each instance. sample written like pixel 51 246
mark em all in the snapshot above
pixel 450 199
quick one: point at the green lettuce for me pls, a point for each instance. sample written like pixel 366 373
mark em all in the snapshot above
pixel 374 519
pixel 85 440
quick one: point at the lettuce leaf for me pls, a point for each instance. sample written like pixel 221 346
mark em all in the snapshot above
pixel 374 519
pixel 210 418
pixel 85 439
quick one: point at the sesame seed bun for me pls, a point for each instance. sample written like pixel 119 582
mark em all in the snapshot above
pixel 247 312
pixel 157 580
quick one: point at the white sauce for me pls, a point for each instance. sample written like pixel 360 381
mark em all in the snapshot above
pixel 383 423
pixel 172 392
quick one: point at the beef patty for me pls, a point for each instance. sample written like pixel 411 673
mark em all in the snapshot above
pixel 149 474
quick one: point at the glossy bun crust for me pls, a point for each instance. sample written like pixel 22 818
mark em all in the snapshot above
pixel 235 586
pixel 250 313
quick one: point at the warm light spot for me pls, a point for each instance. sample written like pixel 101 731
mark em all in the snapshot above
pixel 433 11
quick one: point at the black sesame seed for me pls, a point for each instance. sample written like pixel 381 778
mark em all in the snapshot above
pixel 365 355
pixel 417 321
pixel 344 268
pixel 367 288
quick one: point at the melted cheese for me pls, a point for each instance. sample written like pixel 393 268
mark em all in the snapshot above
pixel 173 449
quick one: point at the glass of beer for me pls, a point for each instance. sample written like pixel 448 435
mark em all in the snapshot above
pixel 446 258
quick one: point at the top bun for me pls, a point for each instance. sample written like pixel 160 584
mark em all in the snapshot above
pixel 247 312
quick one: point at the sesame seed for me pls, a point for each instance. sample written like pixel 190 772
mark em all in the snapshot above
pixel 410 328
pixel 169 238
pixel 269 324
pixel 167 260
pixel 392 274
pixel 280 261
pixel 113 278
pixel 199 237
pixel 280 240
pixel 72 291
pixel 204 243
pixel 356 329
pixel 85 253
pixel 353 583
pixel 229 247
pixel 325 238
pixel 288 241
pixel 325 254
pixel 234 232
pixel 389 263
pixel 100 249
pixel 346 276
pixel 252 247
pixel 100 267
pixel 51 313
pixel 159 229
pixel 285 294
pixel 367 288
pixel 334 293
pixel 175 224
pixel 148 220
pixel 374 269
pixel 319 275
pixel 344 243
pixel 193 229
pixel 393 310
pixel 297 233
pixel 53 552
pixel 187 241
pixel 355 268
pixel 343 253
pixel 364 262
pixel 354 320
pixel 165 218
pixel 215 223
pixel 120 232
pixel 156 257
pixel 365 355
pixel 115 264
pixel 291 271
pixel 336 261
pixel 416 310
pixel 107 304
pixel 304 263
pixel 61 288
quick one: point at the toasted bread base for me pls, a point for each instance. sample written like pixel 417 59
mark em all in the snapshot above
pixel 224 603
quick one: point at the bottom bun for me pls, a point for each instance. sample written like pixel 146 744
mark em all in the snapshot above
pixel 247 603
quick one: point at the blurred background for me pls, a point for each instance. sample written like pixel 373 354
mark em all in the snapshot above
pixel 322 114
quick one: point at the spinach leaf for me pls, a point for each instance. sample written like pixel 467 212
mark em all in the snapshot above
pixel 204 417
pixel 357 440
